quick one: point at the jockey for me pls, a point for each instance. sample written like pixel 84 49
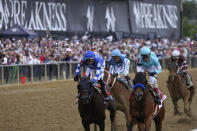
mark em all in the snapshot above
pixel 119 64
pixel 182 66
pixel 95 65
pixel 148 61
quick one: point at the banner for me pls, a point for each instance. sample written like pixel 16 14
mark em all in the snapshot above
pixel 68 15
pixel 155 16
pixel 161 17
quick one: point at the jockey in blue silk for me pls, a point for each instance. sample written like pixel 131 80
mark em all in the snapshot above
pixel 119 64
pixel 95 65
pixel 148 62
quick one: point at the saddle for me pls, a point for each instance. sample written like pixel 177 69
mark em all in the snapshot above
pixel 125 83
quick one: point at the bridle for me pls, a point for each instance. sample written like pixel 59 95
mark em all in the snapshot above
pixel 108 79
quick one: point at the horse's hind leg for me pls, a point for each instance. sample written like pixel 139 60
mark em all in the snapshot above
pixel 186 107
pixel 86 125
pixel 176 110
pixel 102 125
pixel 159 118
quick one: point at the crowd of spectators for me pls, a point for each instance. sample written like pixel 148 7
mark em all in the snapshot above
pixel 48 50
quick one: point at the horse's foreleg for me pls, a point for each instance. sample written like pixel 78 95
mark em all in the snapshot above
pixel 95 127
pixel 128 118
pixel 86 125
pixel 140 126
pixel 186 107
pixel 176 110
pixel 112 116
pixel 102 125
pixel 148 123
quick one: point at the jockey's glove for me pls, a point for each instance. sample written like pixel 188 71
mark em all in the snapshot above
pixel 76 78
pixel 151 73
pixel 94 84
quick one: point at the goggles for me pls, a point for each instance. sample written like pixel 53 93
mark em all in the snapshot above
pixel 145 56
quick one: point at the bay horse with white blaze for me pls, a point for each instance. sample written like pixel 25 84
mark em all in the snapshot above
pixel 91 106
pixel 178 90
pixel 143 106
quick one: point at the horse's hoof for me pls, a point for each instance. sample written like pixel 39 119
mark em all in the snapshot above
pixel 178 113
pixel 188 113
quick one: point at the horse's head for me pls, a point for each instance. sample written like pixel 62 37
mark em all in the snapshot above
pixel 84 89
pixel 172 67
pixel 140 83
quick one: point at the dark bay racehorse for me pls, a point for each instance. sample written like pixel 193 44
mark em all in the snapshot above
pixel 178 90
pixel 142 105
pixel 120 94
pixel 91 105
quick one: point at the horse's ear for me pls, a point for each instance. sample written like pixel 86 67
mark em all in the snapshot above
pixel 134 81
pixel 88 77
pixel 80 77
pixel 107 67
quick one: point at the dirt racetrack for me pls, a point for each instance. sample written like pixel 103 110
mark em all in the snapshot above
pixel 51 107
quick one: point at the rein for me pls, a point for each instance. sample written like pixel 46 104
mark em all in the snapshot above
pixel 108 78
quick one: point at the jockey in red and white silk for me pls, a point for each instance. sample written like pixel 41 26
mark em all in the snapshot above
pixel 182 66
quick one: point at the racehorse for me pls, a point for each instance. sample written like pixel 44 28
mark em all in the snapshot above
pixel 143 107
pixel 178 89
pixel 120 94
pixel 91 105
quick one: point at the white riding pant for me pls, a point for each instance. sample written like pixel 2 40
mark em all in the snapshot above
pixel 153 79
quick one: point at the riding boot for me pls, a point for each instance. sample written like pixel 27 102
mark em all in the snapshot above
pixel 129 82
pixel 104 91
pixel 158 100
pixel 189 81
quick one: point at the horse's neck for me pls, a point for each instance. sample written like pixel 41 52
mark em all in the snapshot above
pixel 179 80
pixel 120 88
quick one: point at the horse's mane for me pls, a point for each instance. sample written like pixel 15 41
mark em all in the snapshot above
pixel 120 81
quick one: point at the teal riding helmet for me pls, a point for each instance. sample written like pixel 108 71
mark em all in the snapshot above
pixel 145 51
pixel 116 52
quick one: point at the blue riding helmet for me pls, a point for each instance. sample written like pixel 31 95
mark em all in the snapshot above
pixel 89 55
pixel 144 51
pixel 116 52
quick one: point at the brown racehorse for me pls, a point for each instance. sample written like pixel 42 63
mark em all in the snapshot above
pixel 142 105
pixel 91 106
pixel 120 94
pixel 178 89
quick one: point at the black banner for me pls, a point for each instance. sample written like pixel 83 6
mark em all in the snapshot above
pixel 148 16
pixel 155 16
pixel 68 15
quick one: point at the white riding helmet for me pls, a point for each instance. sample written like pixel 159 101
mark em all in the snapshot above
pixel 175 53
